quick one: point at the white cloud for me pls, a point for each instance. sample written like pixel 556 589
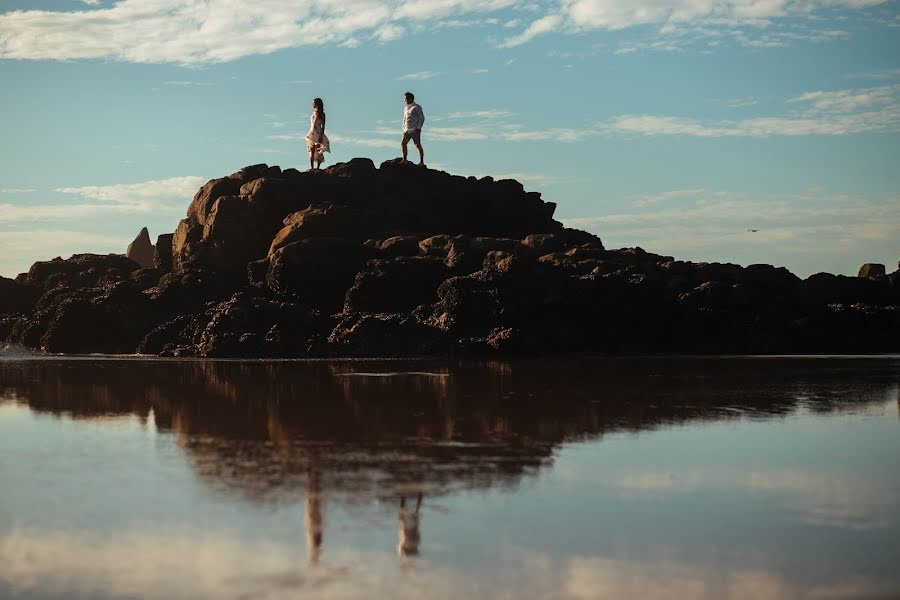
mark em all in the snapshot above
pixel 846 499
pixel 480 71
pixel 389 32
pixel 213 31
pixel 742 102
pixel 366 142
pixel 186 83
pixel 840 112
pixel 494 113
pixel 652 199
pixel 17 190
pixel 545 24
pixel 223 564
pixel 53 227
pixel 144 193
pixel 612 14
pixel 146 197
pixel 421 75
pixel 687 21
pixel 877 74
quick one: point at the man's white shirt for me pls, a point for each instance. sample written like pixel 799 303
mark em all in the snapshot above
pixel 413 117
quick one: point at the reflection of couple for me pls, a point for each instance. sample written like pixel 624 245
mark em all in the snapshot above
pixel 409 528
pixel 408 521
pixel 317 143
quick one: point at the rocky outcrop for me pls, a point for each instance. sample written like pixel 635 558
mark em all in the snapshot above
pixel 162 253
pixel 871 271
pixel 402 260
pixel 141 250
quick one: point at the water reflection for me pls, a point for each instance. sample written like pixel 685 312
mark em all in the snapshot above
pixel 424 447
pixel 382 429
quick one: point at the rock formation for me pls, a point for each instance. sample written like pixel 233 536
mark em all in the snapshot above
pixel 871 270
pixel 141 250
pixel 406 261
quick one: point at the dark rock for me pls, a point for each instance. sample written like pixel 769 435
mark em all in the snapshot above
pixel 328 220
pixel 399 245
pixel 246 324
pixel 162 256
pixel 318 270
pixel 397 285
pixel 389 335
pixel 17 297
pixel 818 291
pixel 112 321
pixel 871 270
pixel 355 168
pixel 404 260
pixel 79 271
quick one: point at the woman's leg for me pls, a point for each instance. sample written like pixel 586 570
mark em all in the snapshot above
pixel 312 157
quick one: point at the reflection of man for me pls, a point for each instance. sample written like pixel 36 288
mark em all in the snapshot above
pixel 314 525
pixel 413 119
pixel 409 529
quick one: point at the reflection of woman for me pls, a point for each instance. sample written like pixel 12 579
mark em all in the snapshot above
pixel 409 529
pixel 314 522
pixel 316 140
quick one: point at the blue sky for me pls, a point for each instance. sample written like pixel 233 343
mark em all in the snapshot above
pixel 676 125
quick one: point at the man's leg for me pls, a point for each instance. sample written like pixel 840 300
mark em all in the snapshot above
pixel 417 138
pixel 403 144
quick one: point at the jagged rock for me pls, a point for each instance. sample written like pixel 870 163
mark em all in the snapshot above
pixel 871 270
pixel 141 250
pixel 245 324
pixel 388 335
pixel 79 271
pixel 162 256
pixel 397 285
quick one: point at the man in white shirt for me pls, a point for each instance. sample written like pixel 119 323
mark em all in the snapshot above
pixel 413 119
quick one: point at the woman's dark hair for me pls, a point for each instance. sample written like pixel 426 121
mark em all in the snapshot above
pixel 319 104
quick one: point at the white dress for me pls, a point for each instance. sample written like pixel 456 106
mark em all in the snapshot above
pixel 317 133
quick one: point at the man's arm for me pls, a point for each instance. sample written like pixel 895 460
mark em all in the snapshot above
pixel 421 117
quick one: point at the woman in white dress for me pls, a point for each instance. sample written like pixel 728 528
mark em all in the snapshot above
pixel 316 141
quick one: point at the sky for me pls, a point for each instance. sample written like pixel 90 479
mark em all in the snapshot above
pixel 744 131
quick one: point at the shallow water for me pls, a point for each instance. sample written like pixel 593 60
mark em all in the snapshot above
pixel 588 478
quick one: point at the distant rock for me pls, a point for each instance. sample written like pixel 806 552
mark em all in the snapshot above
pixel 141 250
pixel 401 260
pixel 871 270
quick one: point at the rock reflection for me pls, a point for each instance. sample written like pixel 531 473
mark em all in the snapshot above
pixel 353 431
